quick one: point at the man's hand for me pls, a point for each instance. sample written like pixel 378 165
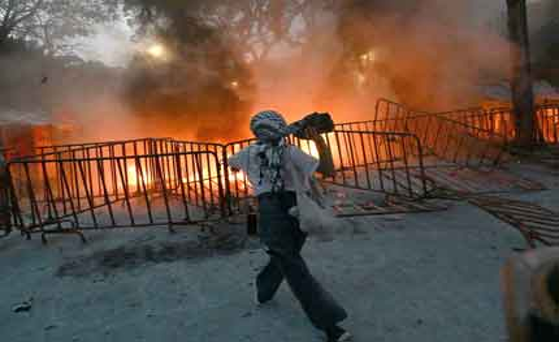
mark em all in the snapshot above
pixel 326 165
pixel 314 135
pixel 311 133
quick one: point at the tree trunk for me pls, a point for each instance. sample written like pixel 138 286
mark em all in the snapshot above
pixel 521 81
pixel 3 36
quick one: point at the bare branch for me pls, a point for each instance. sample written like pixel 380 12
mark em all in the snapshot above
pixel 50 22
pixel 29 12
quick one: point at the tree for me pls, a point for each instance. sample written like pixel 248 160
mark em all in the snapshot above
pixel 51 23
pixel 14 14
pixel 198 78
pixel 521 82
pixel 257 26
pixel 542 17
pixel 543 30
pixel 429 54
pixel 254 27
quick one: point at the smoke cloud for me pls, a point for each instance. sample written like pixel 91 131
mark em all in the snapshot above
pixel 430 54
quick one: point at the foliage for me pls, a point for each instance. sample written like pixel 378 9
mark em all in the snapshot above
pixel 51 23
pixel 254 27
pixel 200 79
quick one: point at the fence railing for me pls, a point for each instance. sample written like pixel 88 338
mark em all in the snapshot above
pixel 443 140
pixel 501 122
pixel 547 123
pixel 388 162
pixel 458 143
pixel 67 194
pixel 161 181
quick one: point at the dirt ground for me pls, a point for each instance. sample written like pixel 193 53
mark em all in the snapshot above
pixel 422 277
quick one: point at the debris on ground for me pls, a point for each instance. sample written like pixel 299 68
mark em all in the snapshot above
pixel 24 306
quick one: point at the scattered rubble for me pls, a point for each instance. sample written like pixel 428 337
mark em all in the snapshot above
pixel 24 306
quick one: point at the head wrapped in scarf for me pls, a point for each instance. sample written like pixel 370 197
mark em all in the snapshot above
pixel 269 128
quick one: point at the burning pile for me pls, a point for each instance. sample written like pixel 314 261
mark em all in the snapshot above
pixel 403 153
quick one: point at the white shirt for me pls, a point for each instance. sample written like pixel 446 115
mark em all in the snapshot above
pixel 297 169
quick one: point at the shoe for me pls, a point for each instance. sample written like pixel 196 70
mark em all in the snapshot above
pixel 258 300
pixel 338 334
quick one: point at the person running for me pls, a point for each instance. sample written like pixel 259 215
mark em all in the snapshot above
pixel 276 171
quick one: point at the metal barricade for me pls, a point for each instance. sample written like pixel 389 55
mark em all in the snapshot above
pixel 161 181
pixel 501 122
pixel 376 161
pixel 547 119
pixel 54 193
pixel 388 162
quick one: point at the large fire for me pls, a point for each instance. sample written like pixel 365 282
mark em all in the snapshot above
pixel 138 180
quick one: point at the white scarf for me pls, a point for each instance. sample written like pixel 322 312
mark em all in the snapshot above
pixel 269 128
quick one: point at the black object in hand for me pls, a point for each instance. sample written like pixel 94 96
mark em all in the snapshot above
pixel 321 122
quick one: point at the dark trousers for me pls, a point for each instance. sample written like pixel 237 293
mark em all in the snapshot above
pixel 281 234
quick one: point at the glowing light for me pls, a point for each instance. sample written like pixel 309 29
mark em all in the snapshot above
pixel 368 57
pixel 135 179
pixel 234 84
pixel 312 150
pixel 238 178
pixel 132 177
pixel 236 175
pixel 156 51
pixel 360 79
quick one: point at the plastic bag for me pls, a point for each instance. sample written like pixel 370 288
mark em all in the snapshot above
pixel 312 217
